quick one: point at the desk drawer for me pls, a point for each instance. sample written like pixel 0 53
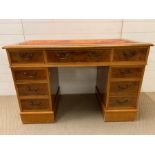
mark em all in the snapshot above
pixel 26 56
pixel 79 56
pixel 124 88
pixel 32 89
pixel 29 74
pixel 35 105
pixel 130 54
pixel 127 72
pixel 122 102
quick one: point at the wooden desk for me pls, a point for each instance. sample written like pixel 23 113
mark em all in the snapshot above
pixel 120 68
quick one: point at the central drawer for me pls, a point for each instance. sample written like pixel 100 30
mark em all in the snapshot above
pixel 32 89
pixel 80 55
pixel 124 88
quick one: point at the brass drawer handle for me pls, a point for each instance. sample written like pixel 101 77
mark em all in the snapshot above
pixel 34 103
pixel 128 55
pixel 123 87
pixel 93 55
pixel 26 56
pixel 122 102
pixel 31 89
pixel 30 75
pixel 126 71
pixel 62 55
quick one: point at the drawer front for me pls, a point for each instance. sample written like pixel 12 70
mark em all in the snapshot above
pixel 35 105
pixel 122 102
pixel 23 57
pixel 79 56
pixel 32 89
pixel 28 74
pixel 128 72
pixel 135 54
pixel 124 88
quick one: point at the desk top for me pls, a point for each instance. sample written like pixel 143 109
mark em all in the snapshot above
pixel 76 43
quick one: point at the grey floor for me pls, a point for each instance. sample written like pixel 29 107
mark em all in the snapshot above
pixel 78 115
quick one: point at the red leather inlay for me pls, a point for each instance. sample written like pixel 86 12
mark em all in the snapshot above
pixel 76 42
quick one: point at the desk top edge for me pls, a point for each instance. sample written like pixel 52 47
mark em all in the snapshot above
pixel 76 43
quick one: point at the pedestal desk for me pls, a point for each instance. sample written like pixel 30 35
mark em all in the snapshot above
pixel 120 69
